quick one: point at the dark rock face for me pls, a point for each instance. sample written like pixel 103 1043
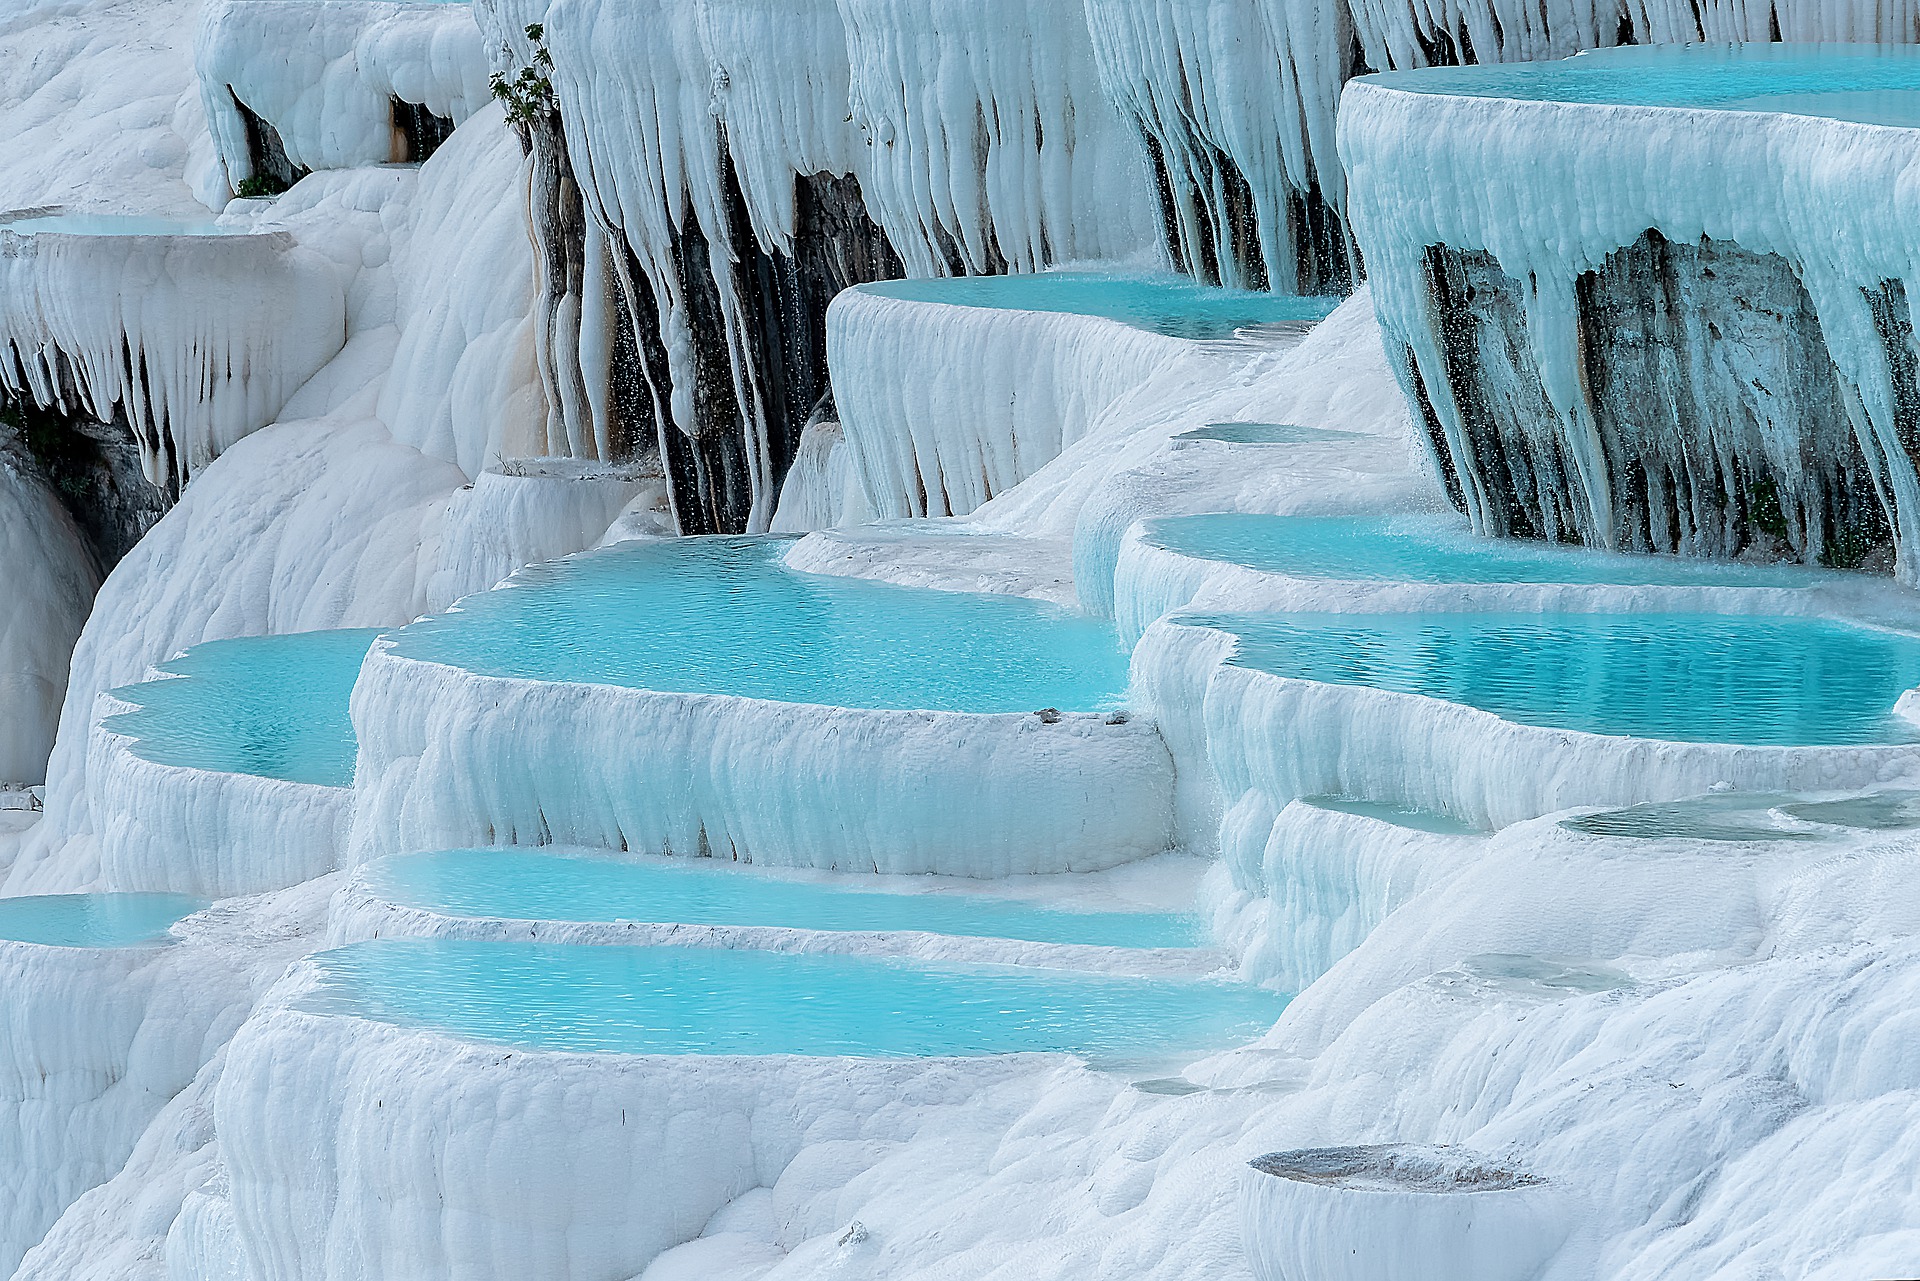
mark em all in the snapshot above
pixel 418 131
pixel 94 469
pixel 1711 420
pixel 265 151
pixel 759 367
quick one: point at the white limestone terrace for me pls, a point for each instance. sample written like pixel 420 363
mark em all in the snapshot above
pixel 1553 170
pixel 324 74
pixel 882 729
pixel 196 332
pixel 1079 921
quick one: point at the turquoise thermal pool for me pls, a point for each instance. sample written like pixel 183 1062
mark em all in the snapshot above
pixel 93 920
pixel 1703 678
pixel 726 616
pixel 271 706
pixel 87 224
pixel 669 1000
pixel 1264 434
pixel 527 885
pixel 1173 306
pixel 1868 84
pixel 1436 549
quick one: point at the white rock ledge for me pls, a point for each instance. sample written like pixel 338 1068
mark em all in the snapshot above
pixel 357 1148
pixel 449 759
pixel 360 914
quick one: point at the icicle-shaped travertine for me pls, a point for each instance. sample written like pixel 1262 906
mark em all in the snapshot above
pixel 1236 110
pixel 1803 225
pixel 324 74
pixel 196 339
pixel 994 145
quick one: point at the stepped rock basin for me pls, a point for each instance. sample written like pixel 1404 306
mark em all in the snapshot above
pixel 230 772
pixel 1494 717
pixel 1281 562
pixel 506 893
pixel 1395 1213
pixel 697 697
pixel 195 331
pixel 1736 816
pixel 638 1089
pixel 93 920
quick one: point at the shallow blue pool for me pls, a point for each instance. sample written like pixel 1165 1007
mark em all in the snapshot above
pixel 89 224
pixel 1869 84
pixel 1171 305
pixel 1683 677
pixel 726 616
pixel 1265 434
pixel 1436 549
pixel 272 706
pixel 669 1000
pixel 93 920
pixel 528 885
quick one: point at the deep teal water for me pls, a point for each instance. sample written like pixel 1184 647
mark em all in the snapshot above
pixel 666 1000
pixel 726 616
pixel 272 706
pixel 529 885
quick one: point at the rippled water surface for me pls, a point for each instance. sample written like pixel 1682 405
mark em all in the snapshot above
pixel 666 1000
pixel 726 616
pixel 1685 677
pixel 272 706
pixel 93 920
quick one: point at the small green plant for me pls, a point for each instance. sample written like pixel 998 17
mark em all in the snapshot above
pixel 528 94
pixel 260 184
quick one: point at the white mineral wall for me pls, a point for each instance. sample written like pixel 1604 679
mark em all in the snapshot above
pixel 50 585
pixel 449 760
pixel 359 1148
pixel 993 140
pixel 946 407
pixel 197 340
pixel 1551 189
pixel 93 1043
pixel 324 74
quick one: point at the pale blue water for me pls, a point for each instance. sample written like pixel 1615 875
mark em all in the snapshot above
pixel 1265 434
pixel 669 1000
pixel 1396 815
pixel 81 224
pixel 528 885
pixel 1682 677
pixel 1869 84
pixel 272 706
pixel 726 616
pixel 93 920
pixel 1437 549
pixel 1171 305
